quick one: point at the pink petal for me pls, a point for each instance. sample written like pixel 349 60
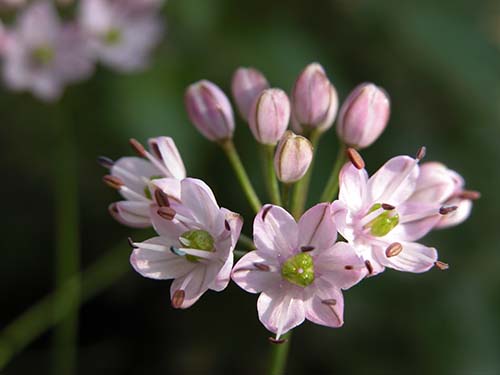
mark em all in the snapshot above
pixel 170 186
pixel 133 214
pixel 342 219
pixel 414 230
pixel 131 170
pixel 435 184
pixel 316 227
pixel 159 264
pixel 200 200
pixel 414 257
pixel 394 182
pixel 330 314
pixel 275 231
pixel 195 283
pixel 280 309
pixel 459 216
pixel 253 279
pixel 235 222
pixel 224 275
pixel 352 188
pixel 171 230
pixel 170 156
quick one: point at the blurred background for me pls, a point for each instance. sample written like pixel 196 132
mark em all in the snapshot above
pixel 440 63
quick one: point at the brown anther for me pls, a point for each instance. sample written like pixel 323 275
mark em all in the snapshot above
pixel 329 302
pixel 393 249
pixel 349 267
pixel 226 225
pixel 105 162
pixel 131 243
pixel 445 210
pixel 470 195
pixel 277 341
pixel 305 249
pixel 266 211
pixel 136 145
pixel 388 207
pixel 161 198
pixel 155 150
pixel 262 267
pixel 178 298
pixel 369 267
pixel 166 213
pixel 442 265
pixel 421 153
pixel 113 182
pixel 355 158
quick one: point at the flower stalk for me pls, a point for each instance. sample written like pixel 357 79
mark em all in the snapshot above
pixel 332 186
pixel 270 174
pixel 279 355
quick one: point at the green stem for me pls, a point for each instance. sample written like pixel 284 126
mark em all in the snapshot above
pixel 279 355
pixel 270 175
pixel 241 174
pixel 332 186
pixel 285 195
pixel 246 242
pixel 67 258
pixel 55 307
pixel 300 191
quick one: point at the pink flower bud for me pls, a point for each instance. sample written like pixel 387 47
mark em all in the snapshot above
pixel 209 110
pixel 269 116
pixel 247 84
pixel 315 100
pixel 363 116
pixel 293 157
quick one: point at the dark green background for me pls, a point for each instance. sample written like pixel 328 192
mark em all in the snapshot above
pixel 439 61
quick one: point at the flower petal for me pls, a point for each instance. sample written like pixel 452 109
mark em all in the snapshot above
pixel 343 220
pixel 224 275
pixel 435 184
pixel 414 230
pixel 253 279
pixel 329 313
pixel 170 186
pixel 235 222
pixel 200 200
pixel 170 156
pixel 394 182
pixel 414 257
pixel 317 228
pixel 131 213
pixel 195 283
pixel 352 187
pixel 132 171
pixel 459 216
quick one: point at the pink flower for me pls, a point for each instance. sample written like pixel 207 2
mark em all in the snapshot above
pixel 441 185
pixel 137 179
pixel 377 216
pixel 42 55
pixel 194 247
pixel 120 36
pixel 298 269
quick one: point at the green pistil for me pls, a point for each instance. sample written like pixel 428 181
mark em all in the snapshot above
pixel 383 223
pixel 197 239
pixel 113 36
pixel 299 270
pixel 43 55
pixel 147 193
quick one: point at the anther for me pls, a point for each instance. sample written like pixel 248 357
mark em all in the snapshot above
pixel 349 267
pixel 166 213
pixel 305 249
pixel 329 302
pixel 262 267
pixel 156 150
pixel 393 249
pixel 421 153
pixel 355 158
pixel 266 211
pixel 369 267
pixel 388 207
pixel 136 145
pixel 177 251
pixel 470 195
pixel 445 210
pixel 273 340
pixel 105 162
pixel 131 243
pixel 161 198
pixel 442 265
pixel 226 224
pixel 178 298
pixel 113 182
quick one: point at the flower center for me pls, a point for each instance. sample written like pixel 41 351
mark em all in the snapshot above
pixel 112 37
pixel 299 270
pixel 43 55
pixel 147 193
pixel 383 223
pixel 197 239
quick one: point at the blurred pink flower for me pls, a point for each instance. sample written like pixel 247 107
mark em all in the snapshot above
pixel 298 268
pixel 377 216
pixel 137 179
pixel 120 36
pixel 42 55
pixel 194 247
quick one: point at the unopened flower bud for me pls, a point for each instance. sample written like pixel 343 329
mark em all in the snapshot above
pixel 269 116
pixel 363 116
pixel 247 84
pixel 293 157
pixel 315 101
pixel 209 110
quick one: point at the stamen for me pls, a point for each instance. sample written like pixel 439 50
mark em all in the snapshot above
pixel 369 267
pixel 178 298
pixel 167 213
pixel 265 212
pixel 131 243
pixel 470 195
pixel 156 150
pixel 161 198
pixel 277 341
pixel 393 249
pixel 349 267
pixel 138 147
pixel 445 210
pixel 442 265
pixel 329 302
pixel 150 246
pixel 200 253
pixel 137 196
pixel 262 267
pixel 177 251
pixel 105 162
pixel 421 153
pixel 226 224
pixel 113 182
pixel 305 249
pixel 372 215
pixel 388 207
pixel 355 158
pixel 420 215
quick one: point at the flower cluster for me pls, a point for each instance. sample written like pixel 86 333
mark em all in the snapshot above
pixel 296 260
pixel 43 53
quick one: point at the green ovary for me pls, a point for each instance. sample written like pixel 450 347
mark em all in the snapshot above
pixel 383 223
pixel 197 239
pixel 43 55
pixel 112 37
pixel 299 270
